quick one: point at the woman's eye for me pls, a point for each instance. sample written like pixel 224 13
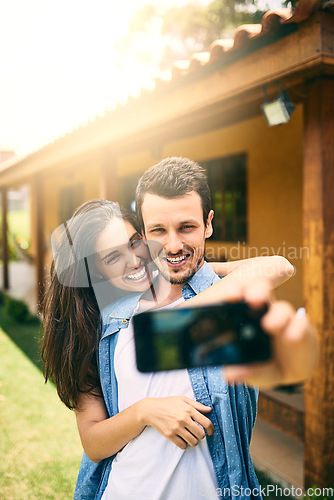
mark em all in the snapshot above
pixel 157 230
pixel 136 243
pixel 113 258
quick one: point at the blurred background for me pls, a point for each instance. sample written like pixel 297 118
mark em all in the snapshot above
pixel 91 95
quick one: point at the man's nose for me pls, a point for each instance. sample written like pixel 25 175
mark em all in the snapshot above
pixel 173 244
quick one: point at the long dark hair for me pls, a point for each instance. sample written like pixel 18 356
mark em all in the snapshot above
pixel 71 315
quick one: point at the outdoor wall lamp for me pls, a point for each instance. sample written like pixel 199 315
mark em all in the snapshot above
pixel 279 110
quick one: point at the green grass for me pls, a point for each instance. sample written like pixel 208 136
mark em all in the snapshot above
pixel 19 223
pixel 39 444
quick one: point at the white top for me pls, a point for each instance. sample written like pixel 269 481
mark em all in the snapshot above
pixel 150 467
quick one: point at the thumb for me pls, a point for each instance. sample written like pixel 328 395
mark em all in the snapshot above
pixel 199 406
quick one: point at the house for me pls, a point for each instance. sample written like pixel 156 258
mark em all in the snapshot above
pixel 272 186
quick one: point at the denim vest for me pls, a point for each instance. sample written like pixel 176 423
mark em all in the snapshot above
pixel 233 408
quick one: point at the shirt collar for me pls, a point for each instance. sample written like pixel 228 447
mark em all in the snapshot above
pixel 201 280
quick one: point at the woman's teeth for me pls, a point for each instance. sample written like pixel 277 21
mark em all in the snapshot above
pixel 138 275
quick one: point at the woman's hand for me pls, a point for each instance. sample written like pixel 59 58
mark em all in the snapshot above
pixel 177 418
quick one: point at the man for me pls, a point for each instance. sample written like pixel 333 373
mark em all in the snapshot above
pixel 174 207
pixel 173 204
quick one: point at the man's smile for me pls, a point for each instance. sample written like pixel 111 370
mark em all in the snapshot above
pixel 178 260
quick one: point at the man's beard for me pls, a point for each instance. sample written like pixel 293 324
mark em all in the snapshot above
pixel 182 280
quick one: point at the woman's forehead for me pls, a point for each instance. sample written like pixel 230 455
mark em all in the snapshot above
pixel 116 233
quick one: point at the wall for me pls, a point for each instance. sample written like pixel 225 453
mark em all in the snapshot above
pixel 274 186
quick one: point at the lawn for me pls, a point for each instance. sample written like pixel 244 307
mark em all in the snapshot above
pixel 19 223
pixel 39 445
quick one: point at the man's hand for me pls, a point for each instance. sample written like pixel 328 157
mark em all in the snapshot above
pixel 294 342
pixel 178 418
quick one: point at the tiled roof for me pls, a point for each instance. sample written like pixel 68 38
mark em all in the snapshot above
pixel 274 23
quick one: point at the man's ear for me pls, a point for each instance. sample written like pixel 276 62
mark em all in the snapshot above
pixel 208 227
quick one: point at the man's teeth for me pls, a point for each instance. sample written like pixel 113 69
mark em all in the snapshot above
pixel 175 260
pixel 137 276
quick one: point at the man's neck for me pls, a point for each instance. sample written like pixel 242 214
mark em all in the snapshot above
pixel 164 293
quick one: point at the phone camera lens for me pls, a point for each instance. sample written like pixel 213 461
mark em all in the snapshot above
pixel 248 332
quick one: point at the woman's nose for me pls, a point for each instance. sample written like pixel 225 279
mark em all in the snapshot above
pixel 133 259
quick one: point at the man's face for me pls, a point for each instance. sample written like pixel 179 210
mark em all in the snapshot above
pixel 177 225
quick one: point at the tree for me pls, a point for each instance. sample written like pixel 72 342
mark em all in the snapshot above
pixel 185 30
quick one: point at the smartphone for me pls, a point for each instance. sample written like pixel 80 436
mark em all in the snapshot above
pixel 215 335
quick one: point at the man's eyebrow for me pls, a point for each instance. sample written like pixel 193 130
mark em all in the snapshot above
pixel 157 224
pixel 189 221
pixel 181 223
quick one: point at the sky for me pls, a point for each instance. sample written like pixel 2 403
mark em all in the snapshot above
pixel 58 67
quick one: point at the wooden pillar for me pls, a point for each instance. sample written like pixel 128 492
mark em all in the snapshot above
pixel 38 225
pixel 4 229
pixel 109 178
pixel 318 222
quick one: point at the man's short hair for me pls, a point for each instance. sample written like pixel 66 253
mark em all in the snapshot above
pixel 174 177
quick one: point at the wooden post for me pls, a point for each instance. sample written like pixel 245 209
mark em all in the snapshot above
pixel 318 222
pixel 5 253
pixel 109 179
pixel 38 221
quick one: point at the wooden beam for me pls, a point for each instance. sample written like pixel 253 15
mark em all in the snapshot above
pixel 38 224
pixel 109 178
pixel 281 416
pixel 318 222
pixel 4 229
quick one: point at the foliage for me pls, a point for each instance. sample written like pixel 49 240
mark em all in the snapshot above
pixel 18 234
pixel 187 29
pixel 16 309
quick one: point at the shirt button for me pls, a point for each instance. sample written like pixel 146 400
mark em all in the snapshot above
pixel 124 321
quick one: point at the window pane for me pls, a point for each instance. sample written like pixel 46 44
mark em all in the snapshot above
pixel 227 181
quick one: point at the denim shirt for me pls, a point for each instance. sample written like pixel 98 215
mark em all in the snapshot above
pixel 233 408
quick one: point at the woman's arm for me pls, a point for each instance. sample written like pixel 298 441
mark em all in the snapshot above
pixel 276 268
pixel 176 418
pixel 179 419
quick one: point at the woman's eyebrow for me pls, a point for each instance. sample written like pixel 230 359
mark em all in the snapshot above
pixel 134 236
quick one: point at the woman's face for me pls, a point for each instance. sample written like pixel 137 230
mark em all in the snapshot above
pixel 122 256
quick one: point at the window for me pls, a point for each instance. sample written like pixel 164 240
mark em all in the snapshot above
pixel 127 191
pixel 228 184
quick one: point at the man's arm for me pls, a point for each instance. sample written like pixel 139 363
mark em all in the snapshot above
pixel 293 339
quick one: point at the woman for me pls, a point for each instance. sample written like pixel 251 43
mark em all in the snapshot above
pixel 88 274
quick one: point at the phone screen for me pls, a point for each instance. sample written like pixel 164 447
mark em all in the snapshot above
pixel 228 333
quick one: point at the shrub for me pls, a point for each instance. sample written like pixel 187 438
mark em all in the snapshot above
pixel 16 309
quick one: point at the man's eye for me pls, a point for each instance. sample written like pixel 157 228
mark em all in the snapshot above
pixel 157 230
pixel 186 228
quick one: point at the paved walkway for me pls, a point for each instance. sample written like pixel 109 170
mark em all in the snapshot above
pixel 273 452
pixel 22 283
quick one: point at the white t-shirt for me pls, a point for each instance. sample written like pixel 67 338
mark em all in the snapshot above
pixel 150 467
